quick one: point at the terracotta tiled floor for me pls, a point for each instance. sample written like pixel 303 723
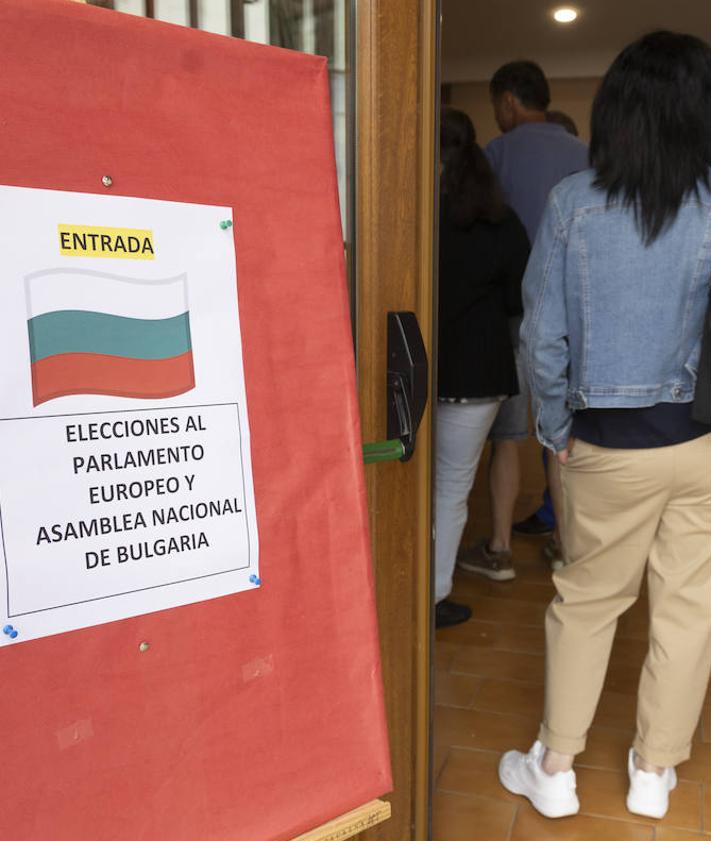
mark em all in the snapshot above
pixel 489 693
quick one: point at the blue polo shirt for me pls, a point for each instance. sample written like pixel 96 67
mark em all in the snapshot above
pixel 529 161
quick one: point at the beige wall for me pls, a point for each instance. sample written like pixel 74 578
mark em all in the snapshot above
pixel 574 96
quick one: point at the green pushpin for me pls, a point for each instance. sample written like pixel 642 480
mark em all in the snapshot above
pixel 225 224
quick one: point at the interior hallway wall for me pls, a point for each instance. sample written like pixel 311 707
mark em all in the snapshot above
pixel 573 96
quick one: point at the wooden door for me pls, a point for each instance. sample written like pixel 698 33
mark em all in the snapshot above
pixel 396 68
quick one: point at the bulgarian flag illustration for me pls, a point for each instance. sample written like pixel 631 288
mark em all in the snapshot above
pixel 96 333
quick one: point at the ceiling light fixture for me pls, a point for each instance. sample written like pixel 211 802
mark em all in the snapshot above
pixel 565 15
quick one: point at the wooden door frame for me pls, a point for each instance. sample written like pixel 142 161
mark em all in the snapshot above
pixel 396 105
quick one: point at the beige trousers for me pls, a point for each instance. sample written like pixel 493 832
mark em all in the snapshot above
pixel 627 512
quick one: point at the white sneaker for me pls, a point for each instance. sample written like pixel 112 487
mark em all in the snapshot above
pixel 649 792
pixel 553 795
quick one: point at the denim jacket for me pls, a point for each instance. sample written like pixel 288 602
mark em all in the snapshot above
pixel 608 321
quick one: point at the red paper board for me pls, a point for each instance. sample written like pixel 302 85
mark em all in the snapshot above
pixel 255 716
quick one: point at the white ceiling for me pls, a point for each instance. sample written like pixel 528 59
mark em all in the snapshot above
pixel 480 35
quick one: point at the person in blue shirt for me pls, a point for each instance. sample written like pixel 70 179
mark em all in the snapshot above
pixel 615 298
pixel 529 159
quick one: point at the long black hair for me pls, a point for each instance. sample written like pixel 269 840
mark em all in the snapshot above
pixel 651 127
pixel 469 187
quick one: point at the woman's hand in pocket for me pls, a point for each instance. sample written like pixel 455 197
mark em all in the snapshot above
pixel 564 455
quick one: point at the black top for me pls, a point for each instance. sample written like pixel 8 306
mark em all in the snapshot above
pixel 635 429
pixel 480 273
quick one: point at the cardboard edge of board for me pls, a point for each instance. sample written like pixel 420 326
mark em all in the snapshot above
pixel 350 824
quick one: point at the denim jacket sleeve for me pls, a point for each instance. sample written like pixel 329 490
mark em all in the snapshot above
pixel 544 332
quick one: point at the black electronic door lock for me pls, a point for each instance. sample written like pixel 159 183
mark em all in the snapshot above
pixel 407 379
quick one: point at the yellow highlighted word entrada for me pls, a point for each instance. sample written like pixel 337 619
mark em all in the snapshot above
pixel 93 241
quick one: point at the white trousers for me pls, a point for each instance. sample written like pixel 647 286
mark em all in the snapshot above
pixel 461 434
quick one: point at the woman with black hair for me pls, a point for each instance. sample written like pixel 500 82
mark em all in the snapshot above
pixel 483 250
pixel 614 302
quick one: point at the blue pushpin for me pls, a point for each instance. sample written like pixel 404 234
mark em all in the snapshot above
pixel 8 629
pixel 225 224
pixel 255 580
pixel 13 634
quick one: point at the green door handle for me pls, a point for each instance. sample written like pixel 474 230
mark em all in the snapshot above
pixel 383 451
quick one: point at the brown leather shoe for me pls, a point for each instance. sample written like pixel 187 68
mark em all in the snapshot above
pixel 480 559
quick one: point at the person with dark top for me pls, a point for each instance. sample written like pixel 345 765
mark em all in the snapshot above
pixel 615 298
pixel 483 249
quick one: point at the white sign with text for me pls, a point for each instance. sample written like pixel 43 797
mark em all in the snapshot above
pixel 125 470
